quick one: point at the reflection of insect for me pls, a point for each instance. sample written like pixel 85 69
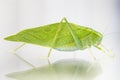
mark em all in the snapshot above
pixel 62 36
pixel 70 68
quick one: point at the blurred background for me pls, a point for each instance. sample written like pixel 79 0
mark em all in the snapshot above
pixel 101 15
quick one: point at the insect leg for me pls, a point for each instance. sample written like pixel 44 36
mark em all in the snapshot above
pixel 75 37
pixel 24 60
pixel 49 52
pixel 105 48
pixel 19 47
pixel 92 54
pixel 101 49
pixel 55 37
pixel 14 52
pixel 112 54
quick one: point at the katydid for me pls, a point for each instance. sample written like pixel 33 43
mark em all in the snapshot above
pixel 63 36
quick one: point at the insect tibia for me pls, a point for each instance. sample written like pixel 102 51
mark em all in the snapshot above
pixel 49 52
pixel 111 54
pixel 105 51
pixel 19 47
pixel 99 48
pixel 24 61
pixel 75 37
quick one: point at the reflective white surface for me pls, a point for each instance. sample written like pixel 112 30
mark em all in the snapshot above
pixel 16 15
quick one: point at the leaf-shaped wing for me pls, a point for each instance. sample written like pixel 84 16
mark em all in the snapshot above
pixel 44 36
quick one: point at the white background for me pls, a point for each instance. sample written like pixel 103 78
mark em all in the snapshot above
pixel 16 15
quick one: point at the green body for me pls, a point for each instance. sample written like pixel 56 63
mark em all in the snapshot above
pixel 45 36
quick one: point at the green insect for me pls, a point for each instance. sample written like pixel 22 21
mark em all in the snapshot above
pixel 63 36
